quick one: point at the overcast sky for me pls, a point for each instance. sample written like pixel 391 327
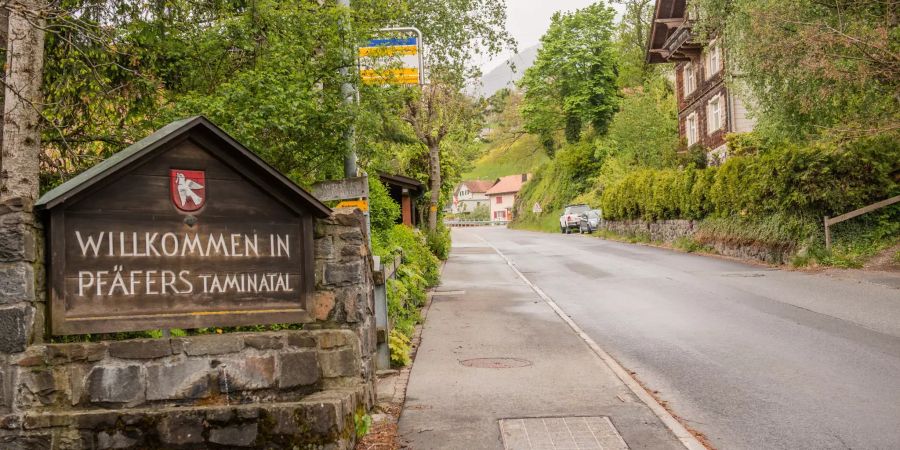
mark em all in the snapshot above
pixel 527 20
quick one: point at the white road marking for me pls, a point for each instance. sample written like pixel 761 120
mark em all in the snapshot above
pixel 680 432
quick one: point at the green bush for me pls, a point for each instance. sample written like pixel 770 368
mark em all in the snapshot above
pixel 556 183
pixel 858 239
pixel 811 181
pixel 698 205
pixel 782 231
pixel 383 210
pixel 439 241
pixel 481 212
pixel 406 292
pixel 400 348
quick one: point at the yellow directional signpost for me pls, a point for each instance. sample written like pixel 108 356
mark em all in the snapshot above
pixel 361 204
pixel 391 61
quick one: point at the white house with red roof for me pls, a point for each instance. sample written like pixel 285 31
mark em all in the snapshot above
pixel 470 195
pixel 503 193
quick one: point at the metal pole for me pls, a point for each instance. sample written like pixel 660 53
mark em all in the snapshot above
pixel 827 235
pixel 349 93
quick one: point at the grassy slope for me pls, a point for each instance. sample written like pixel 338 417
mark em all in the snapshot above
pixel 508 156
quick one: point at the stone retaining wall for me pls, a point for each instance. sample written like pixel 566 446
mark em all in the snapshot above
pixel 668 231
pixel 277 389
pixel 661 230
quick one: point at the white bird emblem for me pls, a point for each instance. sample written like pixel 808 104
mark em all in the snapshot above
pixel 185 187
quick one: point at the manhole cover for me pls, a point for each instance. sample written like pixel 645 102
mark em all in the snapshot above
pixel 496 363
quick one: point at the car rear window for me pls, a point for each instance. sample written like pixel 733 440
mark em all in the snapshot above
pixel 578 209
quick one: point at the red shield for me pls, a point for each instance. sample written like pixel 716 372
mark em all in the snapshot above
pixel 188 189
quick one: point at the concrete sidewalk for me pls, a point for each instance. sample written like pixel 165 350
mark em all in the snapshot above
pixel 484 318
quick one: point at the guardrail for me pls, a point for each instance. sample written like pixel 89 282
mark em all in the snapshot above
pixel 866 209
pixel 384 270
pixel 475 223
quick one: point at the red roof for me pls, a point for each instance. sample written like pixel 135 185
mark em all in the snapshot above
pixel 478 186
pixel 508 185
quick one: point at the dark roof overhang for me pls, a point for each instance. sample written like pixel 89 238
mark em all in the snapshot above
pixel 670 38
pixel 405 182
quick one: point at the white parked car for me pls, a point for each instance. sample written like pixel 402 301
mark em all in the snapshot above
pixel 571 217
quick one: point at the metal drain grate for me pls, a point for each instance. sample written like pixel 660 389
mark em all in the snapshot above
pixel 594 433
pixel 496 363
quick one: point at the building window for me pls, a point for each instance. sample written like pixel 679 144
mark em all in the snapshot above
pixel 713 61
pixel 715 115
pixel 499 199
pixel 499 214
pixel 691 129
pixel 690 82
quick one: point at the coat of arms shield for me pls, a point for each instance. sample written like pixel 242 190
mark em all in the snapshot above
pixel 188 189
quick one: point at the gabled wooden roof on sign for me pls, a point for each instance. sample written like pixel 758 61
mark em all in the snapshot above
pixel 152 145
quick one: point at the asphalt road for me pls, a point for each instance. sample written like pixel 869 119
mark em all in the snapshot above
pixel 753 357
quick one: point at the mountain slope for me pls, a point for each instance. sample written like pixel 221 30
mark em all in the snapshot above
pixel 508 155
pixel 504 75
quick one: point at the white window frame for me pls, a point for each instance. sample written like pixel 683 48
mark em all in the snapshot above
pixel 713 60
pixel 691 124
pixel 714 120
pixel 690 79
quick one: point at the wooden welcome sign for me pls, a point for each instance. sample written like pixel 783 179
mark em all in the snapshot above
pixel 184 229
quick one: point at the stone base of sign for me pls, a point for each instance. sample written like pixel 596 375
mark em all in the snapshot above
pixel 325 418
pixel 235 389
pixel 277 389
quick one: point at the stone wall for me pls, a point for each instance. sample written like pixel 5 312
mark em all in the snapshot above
pixel 277 389
pixel 661 230
pixel 668 231
pixel 22 296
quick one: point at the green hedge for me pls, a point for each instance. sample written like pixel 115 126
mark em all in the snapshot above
pixel 812 181
pixel 406 293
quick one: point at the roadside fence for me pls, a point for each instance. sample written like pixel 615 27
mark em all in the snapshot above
pixel 475 223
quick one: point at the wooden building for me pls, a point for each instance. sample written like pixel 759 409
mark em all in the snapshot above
pixel 707 108
pixel 406 192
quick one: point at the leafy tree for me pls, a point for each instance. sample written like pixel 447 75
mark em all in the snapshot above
pixel 457 30
pixel 631 42
pixel 433 115
pixel 267 71
pixel 813 66
pixel 573 79
pixel 644 133
pixel 264 70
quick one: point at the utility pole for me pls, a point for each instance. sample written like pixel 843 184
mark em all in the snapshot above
pixel 349 93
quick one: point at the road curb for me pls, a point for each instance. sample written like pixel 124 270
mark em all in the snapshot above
pixel 681 433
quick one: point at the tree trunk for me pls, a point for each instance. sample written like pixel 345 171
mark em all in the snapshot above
pixel 20 161
pixel 434 166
